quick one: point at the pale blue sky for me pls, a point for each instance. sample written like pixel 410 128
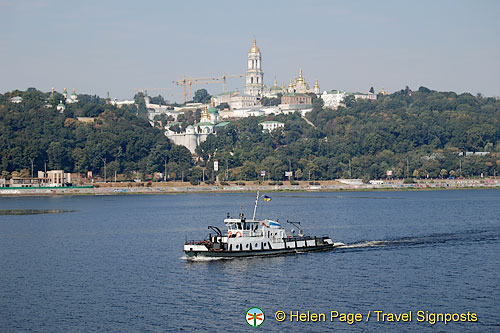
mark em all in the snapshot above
pixel 116 46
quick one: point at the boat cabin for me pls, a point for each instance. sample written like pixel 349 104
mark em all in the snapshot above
pixel 253 228
pixel 242 228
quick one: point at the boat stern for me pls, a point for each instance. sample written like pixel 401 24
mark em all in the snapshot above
pixel 193 249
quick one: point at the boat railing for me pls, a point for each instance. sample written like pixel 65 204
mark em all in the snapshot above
pixel 196 242
pixel 301 238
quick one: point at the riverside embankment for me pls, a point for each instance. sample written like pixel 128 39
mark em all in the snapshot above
pixel 184 187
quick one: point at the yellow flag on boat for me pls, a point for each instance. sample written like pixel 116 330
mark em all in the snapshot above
pixel 266 198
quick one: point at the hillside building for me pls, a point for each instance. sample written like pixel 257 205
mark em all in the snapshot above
pixel 269 126
pixel 366 96
pixel 194 135
pixel 333 98
pixel 293 102
pixel 73 98
pixel 235 100
pixel 299 85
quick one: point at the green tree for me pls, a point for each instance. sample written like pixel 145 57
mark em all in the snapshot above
pixel 248 171
pixel 196 175
pixel 57 156
pixel 201 96
pixel 349 101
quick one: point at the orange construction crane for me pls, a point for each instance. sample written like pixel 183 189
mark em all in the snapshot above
pixel 225 77
pixel 189 81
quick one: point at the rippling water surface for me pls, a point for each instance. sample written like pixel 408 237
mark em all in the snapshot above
pixel 115 263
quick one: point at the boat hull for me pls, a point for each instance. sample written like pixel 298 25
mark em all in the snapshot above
pixel 193 255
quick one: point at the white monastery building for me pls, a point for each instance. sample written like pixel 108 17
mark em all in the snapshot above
pixel 194 135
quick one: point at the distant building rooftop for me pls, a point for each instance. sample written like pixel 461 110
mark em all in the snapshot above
pixel 271 122
pixel 297 94
pixel 86 119
pixel 224 123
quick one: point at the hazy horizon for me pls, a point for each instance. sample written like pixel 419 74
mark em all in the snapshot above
pixel 118 46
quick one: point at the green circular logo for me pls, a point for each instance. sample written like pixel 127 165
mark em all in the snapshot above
pixel 255 317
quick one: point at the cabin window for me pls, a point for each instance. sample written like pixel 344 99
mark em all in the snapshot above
pixel 256 245
pixel 247 246
pixel 237 247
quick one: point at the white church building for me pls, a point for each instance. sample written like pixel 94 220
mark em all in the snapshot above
pixel 199 132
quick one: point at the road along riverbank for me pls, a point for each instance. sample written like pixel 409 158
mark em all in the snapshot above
pixel 185 187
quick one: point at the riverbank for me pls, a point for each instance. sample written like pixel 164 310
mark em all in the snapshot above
pixel 185 187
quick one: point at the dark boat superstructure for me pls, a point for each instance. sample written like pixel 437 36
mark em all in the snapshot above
pixel 251 237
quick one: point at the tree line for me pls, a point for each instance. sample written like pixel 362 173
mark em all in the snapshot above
pixel 118 138
pixel 411 133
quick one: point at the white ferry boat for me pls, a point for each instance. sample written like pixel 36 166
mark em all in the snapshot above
pixel 252 237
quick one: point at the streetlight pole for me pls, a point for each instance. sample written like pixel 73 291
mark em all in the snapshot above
pixel 407 167
pixel 289 170
pixel 31 159
pixel 165 173
pixel 104 160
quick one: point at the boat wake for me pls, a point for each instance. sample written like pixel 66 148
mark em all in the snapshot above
pixel 363 244
pixel 466 237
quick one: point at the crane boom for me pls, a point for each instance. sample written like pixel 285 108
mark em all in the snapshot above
pixel 189 81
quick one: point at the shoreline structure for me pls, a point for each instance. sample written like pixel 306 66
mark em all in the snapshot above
pixel 303 186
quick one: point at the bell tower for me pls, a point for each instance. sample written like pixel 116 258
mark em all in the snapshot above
pixel 254 84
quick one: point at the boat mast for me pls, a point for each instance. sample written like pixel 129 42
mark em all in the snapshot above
pixel 255 207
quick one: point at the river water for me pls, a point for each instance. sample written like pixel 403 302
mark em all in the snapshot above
pixel 115 263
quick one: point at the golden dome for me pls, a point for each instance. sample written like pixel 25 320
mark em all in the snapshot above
pixel 204 112
pixel 254 48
